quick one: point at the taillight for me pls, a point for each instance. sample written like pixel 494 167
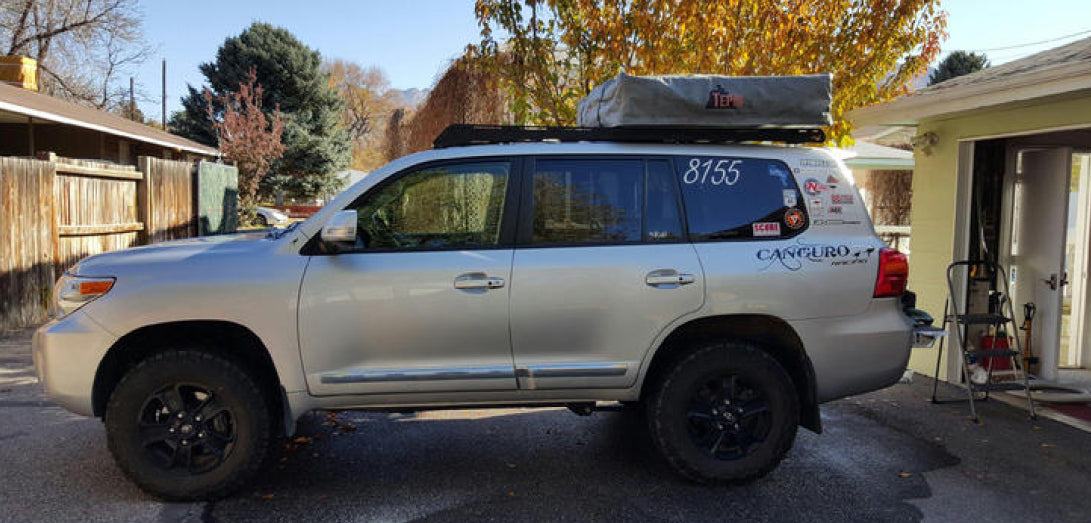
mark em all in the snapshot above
pixel 893 274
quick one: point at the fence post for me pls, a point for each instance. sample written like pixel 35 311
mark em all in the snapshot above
pixel 143 198
pixel 54 217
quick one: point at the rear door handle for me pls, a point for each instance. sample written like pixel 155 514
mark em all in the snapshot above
pixel 665 277
pixel 478 280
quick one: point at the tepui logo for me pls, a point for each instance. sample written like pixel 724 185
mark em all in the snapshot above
pixel 719 98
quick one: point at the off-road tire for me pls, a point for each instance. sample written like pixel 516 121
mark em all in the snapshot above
pixel 230 384
pixel 671 397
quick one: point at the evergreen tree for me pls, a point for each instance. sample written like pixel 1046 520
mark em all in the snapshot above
pixel 316 145
pixel 957 64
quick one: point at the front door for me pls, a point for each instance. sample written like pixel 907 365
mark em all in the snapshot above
pixel 1038 247
pixel 421 303
pixel 601 269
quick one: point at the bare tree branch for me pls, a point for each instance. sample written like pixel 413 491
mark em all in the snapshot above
pixel 84 48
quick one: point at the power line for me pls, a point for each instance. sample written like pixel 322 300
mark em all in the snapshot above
pixel 1028 44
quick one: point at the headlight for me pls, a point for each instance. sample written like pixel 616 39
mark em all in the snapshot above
pixel 73 292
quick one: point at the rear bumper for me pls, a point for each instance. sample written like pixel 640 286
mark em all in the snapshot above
pixel 859 353
pixel 67 353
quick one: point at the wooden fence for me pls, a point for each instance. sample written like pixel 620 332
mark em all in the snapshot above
pixel 28 235
pixel 56 211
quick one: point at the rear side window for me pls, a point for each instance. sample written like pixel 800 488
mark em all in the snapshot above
pixel 587 201
pixel 739 198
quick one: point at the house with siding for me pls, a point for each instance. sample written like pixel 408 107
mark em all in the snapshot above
pixel 1003 173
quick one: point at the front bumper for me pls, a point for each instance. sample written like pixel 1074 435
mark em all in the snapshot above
pixel 67 353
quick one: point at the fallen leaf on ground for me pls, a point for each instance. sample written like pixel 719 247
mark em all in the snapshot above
pixel 267 497
pixel 905 474
pixel 301 440
pixel 1048 445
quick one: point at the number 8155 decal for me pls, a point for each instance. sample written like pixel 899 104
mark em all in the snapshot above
pixel 715 172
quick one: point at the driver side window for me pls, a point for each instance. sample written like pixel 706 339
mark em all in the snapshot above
pixel 441 207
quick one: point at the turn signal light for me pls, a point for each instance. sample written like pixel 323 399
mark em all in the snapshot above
pixel 893 274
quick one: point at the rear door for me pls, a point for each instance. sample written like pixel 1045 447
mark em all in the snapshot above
pixel 601 268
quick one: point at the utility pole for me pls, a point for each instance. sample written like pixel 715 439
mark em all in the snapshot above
pixel 164 95
pixel 132 99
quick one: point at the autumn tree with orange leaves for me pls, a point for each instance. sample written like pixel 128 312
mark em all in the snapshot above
pixel 248 138
pixel 547 54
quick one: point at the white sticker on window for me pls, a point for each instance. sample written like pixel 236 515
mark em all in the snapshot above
pixel 789 198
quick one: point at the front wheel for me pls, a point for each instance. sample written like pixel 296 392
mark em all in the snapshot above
pixel 726 413
pixel 187 425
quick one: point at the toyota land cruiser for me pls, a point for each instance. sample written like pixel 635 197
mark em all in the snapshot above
pixel 726 290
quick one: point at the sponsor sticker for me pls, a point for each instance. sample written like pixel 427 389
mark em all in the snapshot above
pixel 811 162
pixel 794 219
pixel 800 255
pixel 789 198
pixel 832 179
pixel 766 229
pixel 835 209
pixel 841 198
pixel 814 187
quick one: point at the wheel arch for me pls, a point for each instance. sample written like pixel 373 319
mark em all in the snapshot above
pixel 223 338
pixel 771 334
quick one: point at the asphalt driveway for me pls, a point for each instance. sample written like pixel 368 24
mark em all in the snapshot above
pixel 885 456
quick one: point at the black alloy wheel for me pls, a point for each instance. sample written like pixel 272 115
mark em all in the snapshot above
pixel 185 427
pixel 728 417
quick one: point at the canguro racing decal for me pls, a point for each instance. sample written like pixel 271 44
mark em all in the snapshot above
pixel 794 257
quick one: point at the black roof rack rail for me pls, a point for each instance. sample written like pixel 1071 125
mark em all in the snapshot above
pixel 473 134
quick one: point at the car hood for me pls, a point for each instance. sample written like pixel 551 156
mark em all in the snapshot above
pixel 184 253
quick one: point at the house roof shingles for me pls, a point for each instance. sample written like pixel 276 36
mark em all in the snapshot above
pixel 1061 70
pixel 1078 51
pixel 42 107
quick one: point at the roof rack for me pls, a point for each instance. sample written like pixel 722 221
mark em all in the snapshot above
pixel 473 134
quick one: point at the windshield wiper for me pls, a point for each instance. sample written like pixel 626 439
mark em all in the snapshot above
pixel 277 234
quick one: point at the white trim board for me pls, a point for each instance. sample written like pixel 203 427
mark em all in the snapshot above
pixel 43 115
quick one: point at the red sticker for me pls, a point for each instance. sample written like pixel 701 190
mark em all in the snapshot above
pixel 766 229
pixel 794 219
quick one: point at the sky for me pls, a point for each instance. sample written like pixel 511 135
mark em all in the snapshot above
pixel 414 40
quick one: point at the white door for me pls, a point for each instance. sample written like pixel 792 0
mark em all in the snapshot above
pixel 1038 247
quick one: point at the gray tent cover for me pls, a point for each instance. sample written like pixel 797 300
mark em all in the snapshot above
pixel 709 101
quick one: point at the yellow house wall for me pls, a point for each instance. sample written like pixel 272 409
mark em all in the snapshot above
pixel 935 192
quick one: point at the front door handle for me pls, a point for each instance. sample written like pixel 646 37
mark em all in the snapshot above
pixel 668 277
pixel 478 280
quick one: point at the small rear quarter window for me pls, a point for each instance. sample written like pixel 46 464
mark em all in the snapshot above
pixel 730 198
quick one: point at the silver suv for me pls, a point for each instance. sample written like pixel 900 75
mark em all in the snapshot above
pixel 723 291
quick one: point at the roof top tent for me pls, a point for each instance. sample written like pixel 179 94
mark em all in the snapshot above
pixel 681 109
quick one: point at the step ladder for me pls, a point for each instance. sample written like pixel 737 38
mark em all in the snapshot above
pixel 1001 315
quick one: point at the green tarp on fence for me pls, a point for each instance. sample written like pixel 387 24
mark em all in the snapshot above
pixel 217 198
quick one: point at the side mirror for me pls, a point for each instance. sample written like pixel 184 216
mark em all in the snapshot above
pixel 341 228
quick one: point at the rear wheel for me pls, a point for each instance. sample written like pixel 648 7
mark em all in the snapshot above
pixel 188 425
pixel 726 413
